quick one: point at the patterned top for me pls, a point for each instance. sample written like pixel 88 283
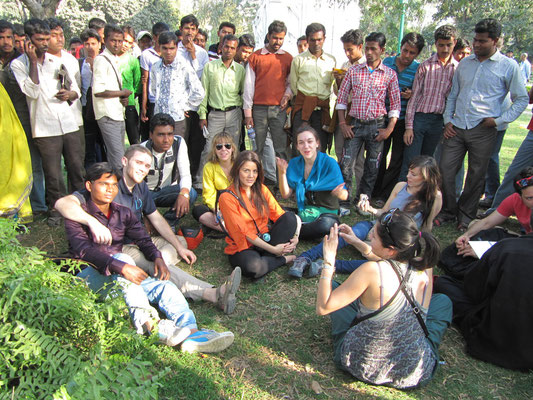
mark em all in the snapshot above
pixel 431 86
pixel 175 88
pixel 369 89
pixel 405 79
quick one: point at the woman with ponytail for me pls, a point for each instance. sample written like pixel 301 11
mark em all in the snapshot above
pixel 386 324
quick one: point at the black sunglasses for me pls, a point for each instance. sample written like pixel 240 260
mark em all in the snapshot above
pixel 386 221
pixel 220 145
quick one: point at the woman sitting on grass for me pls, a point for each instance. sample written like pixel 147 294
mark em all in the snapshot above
pixel 419 196
pixel 215 178
pixel 386 325
pixel 247 207
pixel 317 180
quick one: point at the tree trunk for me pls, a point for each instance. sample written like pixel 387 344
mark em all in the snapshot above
pixel 41 8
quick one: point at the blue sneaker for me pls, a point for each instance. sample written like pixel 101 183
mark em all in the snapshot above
pixel 207 341
pixel 315 268
pixel 298 267
pixel 170 334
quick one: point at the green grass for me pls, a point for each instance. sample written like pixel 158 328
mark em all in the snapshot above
pixel 281 345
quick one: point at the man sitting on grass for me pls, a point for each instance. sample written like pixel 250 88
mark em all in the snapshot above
pixel 138 288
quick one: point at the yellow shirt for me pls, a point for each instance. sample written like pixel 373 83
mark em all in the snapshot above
pixel 214 179
pixel 313 76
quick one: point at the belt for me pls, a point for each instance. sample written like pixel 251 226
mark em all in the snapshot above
pixel 370 121
pixel 224 109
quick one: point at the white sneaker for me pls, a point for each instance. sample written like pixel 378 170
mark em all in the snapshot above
pixel 207 341
pixel 343 212
pixel 170 334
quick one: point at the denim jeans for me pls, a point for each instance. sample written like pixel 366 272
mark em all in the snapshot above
pixel 138 297
pixel 522 159
pixel 360 230
pixel 492 178
pixel 166 197
pixel 363 134
pixel 427 129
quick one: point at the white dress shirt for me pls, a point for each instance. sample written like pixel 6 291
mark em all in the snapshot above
pixel 107 76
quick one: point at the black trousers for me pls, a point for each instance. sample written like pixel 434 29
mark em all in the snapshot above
pixel 256 262
pixel 132 124
pixel 196 141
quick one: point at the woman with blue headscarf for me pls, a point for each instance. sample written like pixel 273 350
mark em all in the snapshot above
pixel 317 181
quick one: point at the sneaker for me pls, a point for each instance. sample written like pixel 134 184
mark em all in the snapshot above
pixel 207 341
pixel 343 211
pixel 170 334
pixel 315 268
pixel 54 220
pixel 378 203
pixel 298 267
pixel 228 300
pixel 485 203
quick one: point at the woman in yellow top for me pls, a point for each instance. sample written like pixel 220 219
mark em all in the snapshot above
pixel 16 176
pixel 215 178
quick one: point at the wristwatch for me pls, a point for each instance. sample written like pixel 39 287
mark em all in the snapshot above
pixel 186 195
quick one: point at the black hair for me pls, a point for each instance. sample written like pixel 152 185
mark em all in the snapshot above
pixel 5 25
pixel 247 40
pixel 128 29
pixel 490 26
pixel 90 33
pixel 96 171
pixel 303 37
pixel 227 25
pixel 75 39
pixel 398 230
pixel 203 32
pixel 54 23
pixel 377 37
pixel 266 39
pixel 189 19
pixel 353 36
pixel 414 39
pixel 35 26
pixel 525 173
pixel 19 29
pixel 277 27
pixel 96 24
pixel 167 37
pixel 159 27
pixel 314 28
pixel 461 44
pixel 178 33
pixel 445 32
pixel 112 28
pixel 161 119
pixel 229 38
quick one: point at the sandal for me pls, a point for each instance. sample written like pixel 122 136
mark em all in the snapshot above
pixel 227 301
pixel 442 219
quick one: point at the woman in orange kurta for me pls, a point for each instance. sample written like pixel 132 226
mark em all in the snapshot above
pixel 247 207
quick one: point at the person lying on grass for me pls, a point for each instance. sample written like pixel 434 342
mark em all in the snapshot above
pixel 385 322
pixel 138 289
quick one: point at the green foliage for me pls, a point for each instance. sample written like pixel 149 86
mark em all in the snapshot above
pixel 55 337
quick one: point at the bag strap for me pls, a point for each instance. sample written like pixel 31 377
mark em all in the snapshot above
pixel 114 70
pixel 401 286
pixel 242 205
pixel 414 306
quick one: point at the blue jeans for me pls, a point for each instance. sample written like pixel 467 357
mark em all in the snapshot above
pixel 492 178
pixel 138 297
pixel 166 197
pixel 363 134
pixel 427 130
pixel 37 198
pixel 360 230
pixel 522 159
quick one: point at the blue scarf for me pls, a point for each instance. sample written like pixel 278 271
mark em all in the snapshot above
pixel 325 175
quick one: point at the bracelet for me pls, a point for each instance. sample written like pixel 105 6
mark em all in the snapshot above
pixel 326 265
pixel 326 277
pixel 342 123
pixel 186 195
pixel 368 253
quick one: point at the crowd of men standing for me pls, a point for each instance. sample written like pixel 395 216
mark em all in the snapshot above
pixel 80 104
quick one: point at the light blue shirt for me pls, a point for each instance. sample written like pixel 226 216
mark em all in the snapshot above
pixel 525 68
pixel 479 90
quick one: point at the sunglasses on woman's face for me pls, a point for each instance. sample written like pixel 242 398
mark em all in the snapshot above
pixel 220 145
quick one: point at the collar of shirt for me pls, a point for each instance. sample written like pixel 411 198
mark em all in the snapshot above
pixel 264 51
pixel 435 60
pixel 93 209
pixel 380 66
pixel 307 54
pixel 233 64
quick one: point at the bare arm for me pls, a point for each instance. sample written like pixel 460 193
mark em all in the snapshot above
pixel 486 223
pixel 164 229
pixel 284 188
pixel 70 207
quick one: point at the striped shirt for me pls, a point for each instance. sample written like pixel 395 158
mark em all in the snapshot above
pixel 405 79
pixel 432 84
pixel 369 89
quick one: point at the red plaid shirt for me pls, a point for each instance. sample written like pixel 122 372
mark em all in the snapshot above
pixel 369 90
pixel 432 84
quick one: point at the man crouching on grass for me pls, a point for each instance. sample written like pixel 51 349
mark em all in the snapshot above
pixel 139 289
